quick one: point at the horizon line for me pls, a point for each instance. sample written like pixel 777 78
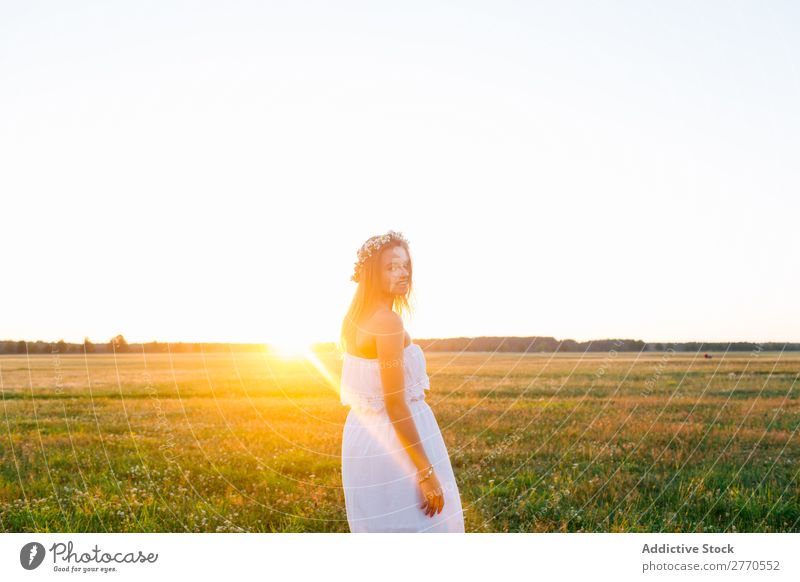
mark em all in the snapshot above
pixel 459 337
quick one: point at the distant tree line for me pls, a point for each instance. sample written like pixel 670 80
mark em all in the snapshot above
pixel 544 344
pixel 119 345
pixel 533 344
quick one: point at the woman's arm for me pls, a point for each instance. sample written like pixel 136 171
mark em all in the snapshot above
pixel 390 340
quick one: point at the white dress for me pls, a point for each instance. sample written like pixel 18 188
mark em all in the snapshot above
pixel 381 490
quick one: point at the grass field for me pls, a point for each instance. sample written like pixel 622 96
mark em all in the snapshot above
pixel 247 442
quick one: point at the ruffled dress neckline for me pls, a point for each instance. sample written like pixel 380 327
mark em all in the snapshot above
pixel 362 388
pixel 349 355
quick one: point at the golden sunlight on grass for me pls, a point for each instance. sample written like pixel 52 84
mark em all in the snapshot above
pixel 290 349
pixel 236 442
pixel 296 352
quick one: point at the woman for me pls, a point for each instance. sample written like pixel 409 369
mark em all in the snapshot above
pixel 396 472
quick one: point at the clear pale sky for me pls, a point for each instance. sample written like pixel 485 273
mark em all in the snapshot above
pixel 207 170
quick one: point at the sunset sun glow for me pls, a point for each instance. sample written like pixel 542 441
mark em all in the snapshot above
pixel 290 349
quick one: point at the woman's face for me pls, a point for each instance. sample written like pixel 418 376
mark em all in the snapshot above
pixel 395 271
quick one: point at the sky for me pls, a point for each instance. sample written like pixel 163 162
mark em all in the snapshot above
pixel 206 171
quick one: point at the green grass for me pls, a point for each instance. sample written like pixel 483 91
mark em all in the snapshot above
pixel 241 442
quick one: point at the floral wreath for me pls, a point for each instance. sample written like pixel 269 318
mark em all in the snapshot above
pixel 373 245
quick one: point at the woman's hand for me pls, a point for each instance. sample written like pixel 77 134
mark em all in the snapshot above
pixel 433 494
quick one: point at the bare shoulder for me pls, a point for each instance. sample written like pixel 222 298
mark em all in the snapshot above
pixel 389 342
pixel 385 321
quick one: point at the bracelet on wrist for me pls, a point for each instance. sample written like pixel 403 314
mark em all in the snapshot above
pixel 428 473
